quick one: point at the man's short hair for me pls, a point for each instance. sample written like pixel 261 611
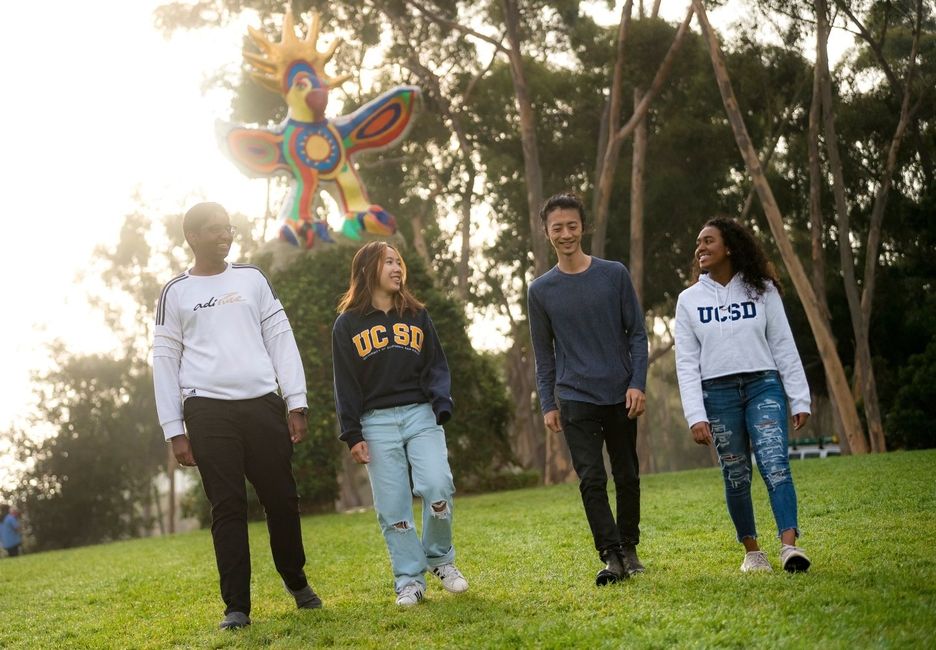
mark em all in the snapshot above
pixel 563 201
pixel 198 215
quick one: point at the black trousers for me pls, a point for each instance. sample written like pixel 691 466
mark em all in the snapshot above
pixel 231 440
pixel 587 428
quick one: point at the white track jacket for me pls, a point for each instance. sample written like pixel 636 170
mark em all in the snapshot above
pixel 222 336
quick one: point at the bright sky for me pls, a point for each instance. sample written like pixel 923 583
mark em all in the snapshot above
pixel 97 107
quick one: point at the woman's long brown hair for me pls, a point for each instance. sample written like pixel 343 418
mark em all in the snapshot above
pixel 365 278
pixel 747 256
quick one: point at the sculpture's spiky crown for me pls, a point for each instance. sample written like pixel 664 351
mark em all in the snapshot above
pixel 278 62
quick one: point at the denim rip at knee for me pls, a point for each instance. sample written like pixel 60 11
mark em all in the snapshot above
pixel 748 412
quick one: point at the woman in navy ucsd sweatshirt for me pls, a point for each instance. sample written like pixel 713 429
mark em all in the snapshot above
pixel 737 366
pixel 393 394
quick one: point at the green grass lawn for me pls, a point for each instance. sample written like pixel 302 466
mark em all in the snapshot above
pixel 869 525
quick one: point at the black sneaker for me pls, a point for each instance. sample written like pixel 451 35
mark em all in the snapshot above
pixel 234 620
pixel 305 597
pixel 630 559
pixel 614 569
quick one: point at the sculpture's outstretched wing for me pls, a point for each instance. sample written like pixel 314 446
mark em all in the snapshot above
pixel 256 152
pixel 381 122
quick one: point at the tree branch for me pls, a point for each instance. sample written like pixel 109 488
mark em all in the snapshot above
pixel 436 18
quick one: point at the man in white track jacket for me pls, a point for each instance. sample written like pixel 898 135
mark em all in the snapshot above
pixel 222 348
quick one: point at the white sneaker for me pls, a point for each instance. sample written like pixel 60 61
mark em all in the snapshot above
pixel 410 595
pixel 452 579
pixel 755 561
pixel 793 559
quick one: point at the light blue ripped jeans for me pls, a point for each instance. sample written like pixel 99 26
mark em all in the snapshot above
pixel 402 439
pixel 746 412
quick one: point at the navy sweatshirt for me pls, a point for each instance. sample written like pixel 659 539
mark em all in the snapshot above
pixel 387 359
pixel 588 335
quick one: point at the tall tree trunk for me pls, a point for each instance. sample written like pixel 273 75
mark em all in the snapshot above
pixel 638 165
pixel 527 442
pixel 816 227
pixel 465 256
pixel 862 345
pixel 603 135
pixel 636 260
pixel 872 249
pixel 820 326
pixel 616 137
pixel 531 165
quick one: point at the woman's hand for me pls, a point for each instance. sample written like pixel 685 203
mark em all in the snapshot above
pixel 799 421
pixel 360 454
pixel 701 433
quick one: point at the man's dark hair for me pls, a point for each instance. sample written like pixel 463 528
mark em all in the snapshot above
pixel 199 214
pixel 566 200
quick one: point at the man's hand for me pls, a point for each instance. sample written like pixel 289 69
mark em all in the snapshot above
pixel 799 421
pixel 182 450
pixel 360 454
pixel 702 433
pixel 553 421
pixel 636 403
pixel 298 427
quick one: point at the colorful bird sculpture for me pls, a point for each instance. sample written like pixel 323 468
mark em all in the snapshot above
pixel 310 147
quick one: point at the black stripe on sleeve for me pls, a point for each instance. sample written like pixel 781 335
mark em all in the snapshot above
pixel 271 316
pixel 161 307
pixel 258 270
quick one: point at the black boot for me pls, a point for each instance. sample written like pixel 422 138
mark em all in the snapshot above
pixel 614 570
pixel 629 558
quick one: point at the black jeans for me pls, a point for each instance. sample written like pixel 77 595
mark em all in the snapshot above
pixel 587 428
pixel 231 440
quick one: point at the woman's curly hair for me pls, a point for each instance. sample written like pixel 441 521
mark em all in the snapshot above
pixel 747 256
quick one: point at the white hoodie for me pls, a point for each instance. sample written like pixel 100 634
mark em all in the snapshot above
pixel 726 330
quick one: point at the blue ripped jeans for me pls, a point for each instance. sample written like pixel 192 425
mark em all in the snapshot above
pixel 748 412
pixel 404 440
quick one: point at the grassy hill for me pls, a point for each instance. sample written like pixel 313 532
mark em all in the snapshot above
pixel 869 524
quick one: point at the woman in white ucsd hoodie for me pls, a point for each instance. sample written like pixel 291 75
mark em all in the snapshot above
pixel 737 366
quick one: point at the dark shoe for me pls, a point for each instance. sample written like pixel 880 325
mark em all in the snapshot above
pixel 630 560
pixel 305 597
pixel 614 569
pixel 235 620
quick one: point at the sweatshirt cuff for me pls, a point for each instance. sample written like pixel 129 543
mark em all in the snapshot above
pixel 800 406
pixel 442 408
pixel 297 401
pixel 173 428
pixel 696 416
pixel 352 438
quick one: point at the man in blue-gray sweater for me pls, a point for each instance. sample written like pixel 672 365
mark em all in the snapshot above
pixel 591 353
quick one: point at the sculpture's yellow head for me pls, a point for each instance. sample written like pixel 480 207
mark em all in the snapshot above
pixel 295 68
